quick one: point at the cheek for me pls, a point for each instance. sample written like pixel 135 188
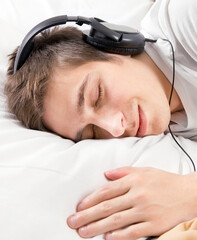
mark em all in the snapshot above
pixel 159 118
pixel 120 93
pixel 118 100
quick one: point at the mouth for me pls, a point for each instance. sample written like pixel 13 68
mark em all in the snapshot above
pixel 142 123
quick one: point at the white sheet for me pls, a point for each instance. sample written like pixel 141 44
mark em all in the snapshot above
pixel 42 176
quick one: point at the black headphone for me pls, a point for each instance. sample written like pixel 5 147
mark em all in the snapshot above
pixel 105 36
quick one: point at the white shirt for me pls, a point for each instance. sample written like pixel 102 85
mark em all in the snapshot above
pixel 176 20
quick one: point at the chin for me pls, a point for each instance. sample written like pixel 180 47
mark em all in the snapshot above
pixel 161 125
pixel 162 130
pixel 157 129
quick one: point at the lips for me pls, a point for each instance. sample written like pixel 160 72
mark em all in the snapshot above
pixel 142 123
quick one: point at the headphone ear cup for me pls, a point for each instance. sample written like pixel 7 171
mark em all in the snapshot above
pixel 110 46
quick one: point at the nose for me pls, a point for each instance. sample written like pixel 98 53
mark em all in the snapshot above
pixel 113 123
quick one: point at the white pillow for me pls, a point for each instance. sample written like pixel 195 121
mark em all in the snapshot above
pixel 42 176
pixel 24 14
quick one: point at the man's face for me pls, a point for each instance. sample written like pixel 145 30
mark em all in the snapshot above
pixel 102 100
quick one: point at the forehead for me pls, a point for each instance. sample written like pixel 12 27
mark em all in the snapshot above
pixel 60 102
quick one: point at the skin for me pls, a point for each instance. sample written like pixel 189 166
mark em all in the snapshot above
pixel 138 202
pixel 127 97
pixel 129 86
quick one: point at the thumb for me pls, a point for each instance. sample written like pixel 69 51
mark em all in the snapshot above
pixel 117 173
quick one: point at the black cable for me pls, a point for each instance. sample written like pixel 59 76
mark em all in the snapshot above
pixel 172 89
pixel 182 148
pixel 150 40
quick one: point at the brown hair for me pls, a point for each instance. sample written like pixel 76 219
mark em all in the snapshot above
pixel 57 47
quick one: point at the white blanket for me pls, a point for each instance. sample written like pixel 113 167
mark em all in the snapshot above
pixel 42 176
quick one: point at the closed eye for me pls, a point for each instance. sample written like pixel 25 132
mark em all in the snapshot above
pixel 100 96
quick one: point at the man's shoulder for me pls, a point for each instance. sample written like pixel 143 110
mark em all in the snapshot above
pixel 182 12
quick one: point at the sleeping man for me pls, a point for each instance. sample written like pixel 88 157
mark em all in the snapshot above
pixel 68 87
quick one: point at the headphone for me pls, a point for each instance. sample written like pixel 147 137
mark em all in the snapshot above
pixel 102 35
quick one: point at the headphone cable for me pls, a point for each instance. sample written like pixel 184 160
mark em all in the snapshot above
pixel 173 80
pixel 172 89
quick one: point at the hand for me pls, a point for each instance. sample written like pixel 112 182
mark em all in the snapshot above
pixel 138 202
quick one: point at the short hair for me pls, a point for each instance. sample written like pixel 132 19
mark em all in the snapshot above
pixel 26 89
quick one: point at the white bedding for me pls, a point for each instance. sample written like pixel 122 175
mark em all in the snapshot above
pixel 42 176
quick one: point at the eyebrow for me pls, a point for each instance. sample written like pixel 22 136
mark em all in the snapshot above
pixel 80 103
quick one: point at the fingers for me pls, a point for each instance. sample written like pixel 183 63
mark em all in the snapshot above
pixel 113 222
pixel 100 211
pixel 118 173
pixel 108 191
pixel 118 187
pixel 131 232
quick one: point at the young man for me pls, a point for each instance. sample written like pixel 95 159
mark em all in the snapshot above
pixel 70 88
pixel 103 96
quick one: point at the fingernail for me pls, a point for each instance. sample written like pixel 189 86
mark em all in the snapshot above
pixel 80 207
pixel 111 171
pixel 84 231
pixel 72 221
pixel 108 236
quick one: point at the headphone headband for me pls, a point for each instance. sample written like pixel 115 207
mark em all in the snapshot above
pixel 101 35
